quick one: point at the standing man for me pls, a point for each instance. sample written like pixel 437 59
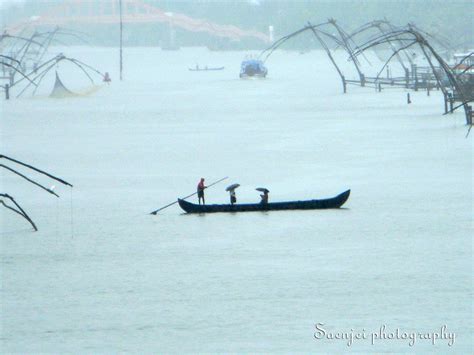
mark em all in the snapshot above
pixel 200 191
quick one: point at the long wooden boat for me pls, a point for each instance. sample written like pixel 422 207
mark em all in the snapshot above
pixel 206 69
pixel 334 202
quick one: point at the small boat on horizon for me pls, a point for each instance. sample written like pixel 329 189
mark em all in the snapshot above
pixel 334 202
pixel 206 68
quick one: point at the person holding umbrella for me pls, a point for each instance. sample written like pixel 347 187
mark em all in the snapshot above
pixel 264 195
pixel 231 190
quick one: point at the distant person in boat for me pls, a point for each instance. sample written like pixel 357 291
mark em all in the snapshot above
pixel 200 191
pixel 233 197
pixel 264 197
pixel 231 190
pixel 107 78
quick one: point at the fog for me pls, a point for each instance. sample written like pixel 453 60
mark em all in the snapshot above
pixel 451 20
pixel 104 121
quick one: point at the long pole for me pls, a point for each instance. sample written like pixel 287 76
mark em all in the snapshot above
pixel 21 212
pixel 121 39
pixel 172 203
pixel 36 169
pixel 29 180
pixel 328 52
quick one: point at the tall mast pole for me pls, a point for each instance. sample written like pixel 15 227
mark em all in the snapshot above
pixel 121 39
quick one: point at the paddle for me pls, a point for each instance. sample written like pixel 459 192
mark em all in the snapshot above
pixel 184 198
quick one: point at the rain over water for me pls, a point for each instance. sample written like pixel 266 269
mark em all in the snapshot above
pixel 388 272
pixel 102 275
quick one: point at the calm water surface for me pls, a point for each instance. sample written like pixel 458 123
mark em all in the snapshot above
pixel 101 275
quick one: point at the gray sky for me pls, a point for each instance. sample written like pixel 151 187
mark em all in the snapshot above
pixel 6 3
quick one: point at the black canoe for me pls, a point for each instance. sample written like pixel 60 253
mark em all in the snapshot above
pixel 206 69
pixel 334 202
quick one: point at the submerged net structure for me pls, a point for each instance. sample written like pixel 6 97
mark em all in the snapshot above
pixel 457 85
pixel 23 65
pixel 38 75
pixel 59 90
pixel 30 48
pixel 9 62
pixel 403 44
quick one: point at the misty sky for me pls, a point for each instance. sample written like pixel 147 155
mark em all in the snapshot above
pixel 7 3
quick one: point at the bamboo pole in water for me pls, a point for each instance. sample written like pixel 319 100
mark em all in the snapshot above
pixel 121 39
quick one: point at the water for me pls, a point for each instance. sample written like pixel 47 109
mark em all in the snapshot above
pixel 102 275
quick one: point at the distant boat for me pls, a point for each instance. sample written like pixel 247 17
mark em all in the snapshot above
pixel 197 68
pixel 334 202
pixel 253 68
pixel 170 47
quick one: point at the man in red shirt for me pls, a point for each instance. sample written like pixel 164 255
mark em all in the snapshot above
pixel 200 191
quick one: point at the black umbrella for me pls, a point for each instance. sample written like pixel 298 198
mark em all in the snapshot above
pixel 232 187
pixel 262 189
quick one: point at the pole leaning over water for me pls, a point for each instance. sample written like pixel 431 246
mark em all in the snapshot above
pixel 20 210
pixel 184 198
